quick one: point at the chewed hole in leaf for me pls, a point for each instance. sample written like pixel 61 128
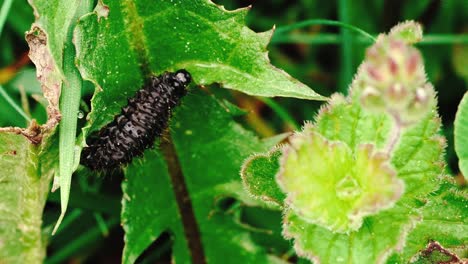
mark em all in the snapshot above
pixel 435 253
pixel 226 204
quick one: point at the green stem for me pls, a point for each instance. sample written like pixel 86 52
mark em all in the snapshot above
pixel 435 39
pixel 311 22
pixel 321 39
pixel 281 112
pixel 10 101
pixel 4 13
pixel 346 73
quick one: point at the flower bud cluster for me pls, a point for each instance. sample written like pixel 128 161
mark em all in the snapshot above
pixel 393 80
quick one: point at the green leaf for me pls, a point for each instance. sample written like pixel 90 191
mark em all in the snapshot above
pixel 25 175
pixel 119 45
pixel 258 174
pixel 149 208
pixel 118 49
pixel 20 17
pixel 202 147
pixel 26 79
pixel 461 135
pixel 418 154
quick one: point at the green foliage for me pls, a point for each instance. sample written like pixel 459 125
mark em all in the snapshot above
pixel 147 213
pixel 257 176
pixel 189 188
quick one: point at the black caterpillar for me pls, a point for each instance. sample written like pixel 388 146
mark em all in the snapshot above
pixel 143 119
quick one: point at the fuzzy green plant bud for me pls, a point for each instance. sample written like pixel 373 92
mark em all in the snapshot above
pixel 329 184
pixel 392 77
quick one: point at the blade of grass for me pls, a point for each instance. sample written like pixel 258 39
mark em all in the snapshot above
pixel 69 107
pixel 4 13
pixel 13 104
pixel 3 16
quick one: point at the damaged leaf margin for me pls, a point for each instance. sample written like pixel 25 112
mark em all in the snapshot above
pixel 49 77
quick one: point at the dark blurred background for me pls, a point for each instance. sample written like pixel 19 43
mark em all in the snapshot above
pixel 323 57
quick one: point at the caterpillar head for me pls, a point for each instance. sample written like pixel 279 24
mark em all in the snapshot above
pixel 179 81
pixel 183 77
